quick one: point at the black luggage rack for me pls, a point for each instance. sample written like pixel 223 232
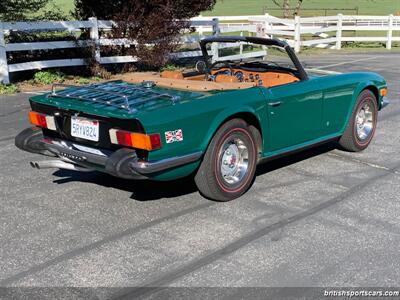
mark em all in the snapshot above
pixel 116 94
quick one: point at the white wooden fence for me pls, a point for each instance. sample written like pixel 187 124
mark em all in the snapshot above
pixel 325 32
pixel 95 26
pixel 331 31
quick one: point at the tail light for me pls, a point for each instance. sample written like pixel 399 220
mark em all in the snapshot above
pixel 147 142
pixel 42 120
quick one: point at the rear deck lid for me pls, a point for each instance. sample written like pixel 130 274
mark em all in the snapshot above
pixel 116 99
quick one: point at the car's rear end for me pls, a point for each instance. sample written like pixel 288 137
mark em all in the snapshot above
pixel 97 128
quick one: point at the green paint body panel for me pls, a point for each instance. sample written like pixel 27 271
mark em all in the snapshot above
pixel 310 111
pixel 114 112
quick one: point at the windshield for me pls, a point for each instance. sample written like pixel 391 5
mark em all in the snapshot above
pixel 250 55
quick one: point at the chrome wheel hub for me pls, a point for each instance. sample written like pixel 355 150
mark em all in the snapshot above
pixel 364 122
pixel 234 161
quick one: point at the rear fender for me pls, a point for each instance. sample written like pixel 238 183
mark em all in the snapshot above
pixel 227 114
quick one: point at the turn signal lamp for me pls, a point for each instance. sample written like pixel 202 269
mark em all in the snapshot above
pixel 383 92
pixel 41 120
pixel 147 142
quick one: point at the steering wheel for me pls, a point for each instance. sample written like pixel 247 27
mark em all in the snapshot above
pixel 226 63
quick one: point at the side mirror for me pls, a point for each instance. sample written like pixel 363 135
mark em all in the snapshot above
pixel 201 66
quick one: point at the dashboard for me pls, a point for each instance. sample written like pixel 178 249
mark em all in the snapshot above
pixel 265 78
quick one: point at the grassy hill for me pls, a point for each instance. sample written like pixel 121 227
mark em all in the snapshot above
pixel 311 7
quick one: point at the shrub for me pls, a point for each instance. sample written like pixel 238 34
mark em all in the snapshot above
pixel 6 89
pixel 156 22
pixel 98 71
pixel 29 10
pixel 82 81
pixel 48 77
pixel 169 67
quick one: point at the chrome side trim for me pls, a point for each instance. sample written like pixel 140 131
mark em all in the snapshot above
pixel 147 167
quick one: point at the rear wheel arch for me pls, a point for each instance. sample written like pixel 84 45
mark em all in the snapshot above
pixel 254 126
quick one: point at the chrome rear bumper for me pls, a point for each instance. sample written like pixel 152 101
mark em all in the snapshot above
pixel 122 163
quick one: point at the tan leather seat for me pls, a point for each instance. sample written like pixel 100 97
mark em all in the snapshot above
pixel 190 85
pixel 172 74
pixel 272 79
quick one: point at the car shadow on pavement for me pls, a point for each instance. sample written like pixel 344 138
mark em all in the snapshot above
pixel 142 190
pixel 293 158
pixel 147 190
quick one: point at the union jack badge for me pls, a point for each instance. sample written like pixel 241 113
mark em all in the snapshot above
pixel 174 136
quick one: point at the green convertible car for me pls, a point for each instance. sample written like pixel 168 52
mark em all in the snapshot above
pixel 216 122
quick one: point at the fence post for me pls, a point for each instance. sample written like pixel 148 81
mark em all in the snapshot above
pixel 297 34
pixel 267 25
pixel 214 46
pixel 390 33
pixel 4 75
pixel 94 36
pixel 215 28
pixel 241 45
pixel 200 28
pixel 339 32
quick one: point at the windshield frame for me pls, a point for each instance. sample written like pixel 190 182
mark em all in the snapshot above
pixel 254 40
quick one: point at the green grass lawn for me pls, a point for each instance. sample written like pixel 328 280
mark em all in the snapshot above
pixel 366 7
pixel 65 5
pixel 250 7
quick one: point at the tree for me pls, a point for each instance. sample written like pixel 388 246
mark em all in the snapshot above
pixel 298 6
pixel 152 27
pixel 285 5
pixel 27 10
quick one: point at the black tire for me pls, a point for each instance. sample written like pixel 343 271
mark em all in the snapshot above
pixel 209 177
pixel 350 140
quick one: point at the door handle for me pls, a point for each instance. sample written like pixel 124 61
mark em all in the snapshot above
pixel 275 104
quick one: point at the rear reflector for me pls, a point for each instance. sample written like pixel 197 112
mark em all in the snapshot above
pixel 147 142
pixel 42 120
